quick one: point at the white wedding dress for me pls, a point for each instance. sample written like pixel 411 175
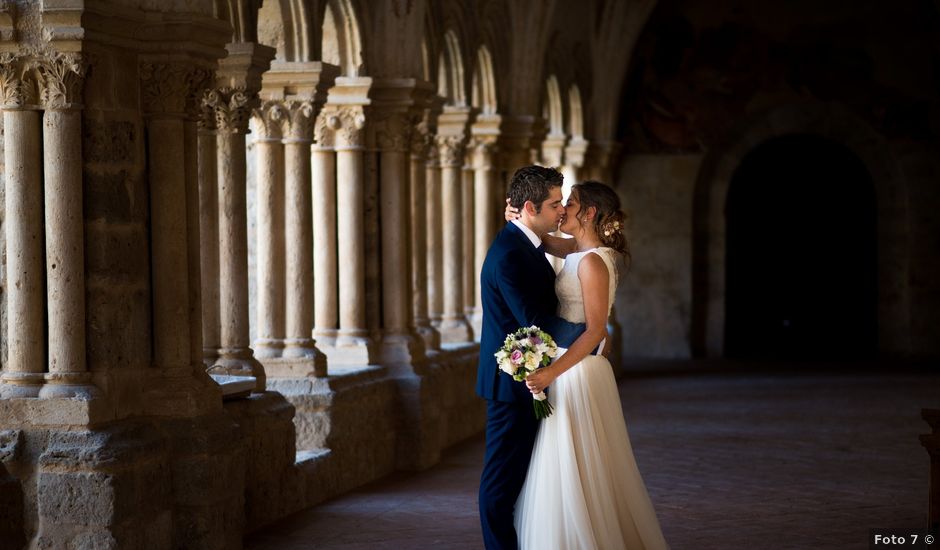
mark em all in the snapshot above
pixel 583 489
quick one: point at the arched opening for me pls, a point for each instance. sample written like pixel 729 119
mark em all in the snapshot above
pixel 575 113
pixel 341 43
pixel 801 260
pixel 484 83
pixel 553 111
pixel 450 80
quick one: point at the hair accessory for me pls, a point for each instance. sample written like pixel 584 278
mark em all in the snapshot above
pixel 611 228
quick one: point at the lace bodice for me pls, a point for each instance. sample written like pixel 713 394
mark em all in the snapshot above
pixel 568 285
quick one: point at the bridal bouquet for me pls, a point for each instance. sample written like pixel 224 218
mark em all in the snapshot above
pixel 524 351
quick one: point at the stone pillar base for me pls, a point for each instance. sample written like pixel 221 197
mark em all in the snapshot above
pixel 401 350
pixel 456 330
pixel 240 362
pixel 266 348
pixel 324 338
pixel 297 348
pixel 350 348
pixel 431 337
pixel 42 413
pixel 295 367
pixel 476 323
pixel 16 384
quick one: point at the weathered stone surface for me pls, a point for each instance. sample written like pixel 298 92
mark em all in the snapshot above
pixel 109 141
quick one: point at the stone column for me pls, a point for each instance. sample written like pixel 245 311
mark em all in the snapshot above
pixel 199 79
pixel 574 160
pixel 451 141
pixel 61 76
pixel 323 171
pixel 394 114
pixel 420 142
pixel 270 204
pixel 164 93
pixel 487 203
pixel 299 88
pixel 434 238
pixel 552 150
pixel 239 79
pixel 345 115
pixel 298 226
pixel 469 280
pixel 26 344
pixel 209 237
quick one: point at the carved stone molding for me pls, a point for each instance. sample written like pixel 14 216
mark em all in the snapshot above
pixel 231 108
pixel 17 86
pixel 199 79
pixel 341 126
pixel 392 130
pixel 61 76
pixel 270 119
pixel 300 119
pixel 482 151
pixel 451 150
pixel 164 87
pixel 420 140
pixel 323 133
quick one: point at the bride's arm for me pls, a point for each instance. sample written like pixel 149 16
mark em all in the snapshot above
pixel 556 246
pixel 595 280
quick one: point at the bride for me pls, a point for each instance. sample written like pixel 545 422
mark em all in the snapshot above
pixel 583 488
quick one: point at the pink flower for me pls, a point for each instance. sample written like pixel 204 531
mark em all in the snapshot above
pixel 516 356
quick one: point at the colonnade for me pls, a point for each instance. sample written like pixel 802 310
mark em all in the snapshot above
pixel 41 94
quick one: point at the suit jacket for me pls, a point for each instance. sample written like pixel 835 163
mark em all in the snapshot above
pixel 517 286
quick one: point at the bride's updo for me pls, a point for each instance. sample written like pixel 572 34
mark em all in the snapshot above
pixel 609 223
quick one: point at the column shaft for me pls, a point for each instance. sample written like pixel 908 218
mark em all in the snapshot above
pixel 396 273
pixel 23 222
pixel 435 258
pixel 171 344
pixel 454 327
pixel 235 355
pixel 299 238
pixel 193 243
pixel 419 253
pixel 269 202
pixel 323 168
pixel 350 235
pixel 487 203
pixel 469 213
pixel 209 244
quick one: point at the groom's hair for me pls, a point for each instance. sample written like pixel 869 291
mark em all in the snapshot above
pixel 533 183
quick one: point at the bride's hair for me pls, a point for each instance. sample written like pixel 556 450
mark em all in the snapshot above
pixel 609 223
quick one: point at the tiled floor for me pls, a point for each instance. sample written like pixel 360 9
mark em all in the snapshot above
pixel 731 460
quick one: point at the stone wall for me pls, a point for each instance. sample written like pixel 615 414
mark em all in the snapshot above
pixel 654 299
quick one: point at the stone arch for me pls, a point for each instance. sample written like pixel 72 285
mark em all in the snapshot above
pixel 451 71
pixel 836 123
pixel 484 83
pixel 341 38
pixel 553 107
pixel 289 26
pixel 243 15
pixel 575 113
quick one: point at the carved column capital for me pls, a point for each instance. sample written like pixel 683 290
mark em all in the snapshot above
pixel 231 107
pixel 420 141
pixel 482 150
pixel 17 84
pixel 341 126
pixel 61 76
pixel 392 130
pixel 164 87
pixel 301 116
pixel 270 119
pixel 451 150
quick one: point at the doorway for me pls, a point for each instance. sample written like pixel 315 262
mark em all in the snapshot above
pixel 801 271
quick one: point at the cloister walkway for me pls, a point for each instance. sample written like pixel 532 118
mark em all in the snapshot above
pixel 807 457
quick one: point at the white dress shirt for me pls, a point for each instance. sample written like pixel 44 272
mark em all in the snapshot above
pixel 536 241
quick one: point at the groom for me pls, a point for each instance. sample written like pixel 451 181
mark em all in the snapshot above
pixel 518 290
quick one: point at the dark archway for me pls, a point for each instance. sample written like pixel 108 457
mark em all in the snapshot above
pixel 801 271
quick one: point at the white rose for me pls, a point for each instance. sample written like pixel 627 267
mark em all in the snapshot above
pixel 531 361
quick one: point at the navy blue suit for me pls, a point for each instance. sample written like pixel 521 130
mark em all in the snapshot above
pixel 517 290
